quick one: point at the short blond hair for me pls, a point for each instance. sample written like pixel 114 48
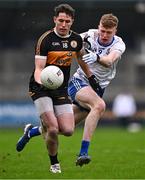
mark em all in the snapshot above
pixel 109 21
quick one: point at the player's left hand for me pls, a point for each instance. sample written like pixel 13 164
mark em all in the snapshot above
pixel 91 57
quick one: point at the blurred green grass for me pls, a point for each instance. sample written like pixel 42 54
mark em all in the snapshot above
pixel 116 154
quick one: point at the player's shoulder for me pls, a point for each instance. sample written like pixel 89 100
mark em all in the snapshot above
pixel 45 35
pixel 118 39
pixel 75 34
pixel 118 43
pixel 92 33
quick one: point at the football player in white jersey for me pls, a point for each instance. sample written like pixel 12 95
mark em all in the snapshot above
pixel 102 50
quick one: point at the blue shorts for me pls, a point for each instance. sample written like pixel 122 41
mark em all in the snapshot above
pixel 76 84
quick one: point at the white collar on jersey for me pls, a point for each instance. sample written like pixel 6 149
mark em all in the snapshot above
pixel 105 45
pixel 68 35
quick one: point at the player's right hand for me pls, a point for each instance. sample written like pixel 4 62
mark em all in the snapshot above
pixel 90 57
pixel 39 87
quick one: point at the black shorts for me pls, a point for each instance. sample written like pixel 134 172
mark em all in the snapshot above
pixel 59 96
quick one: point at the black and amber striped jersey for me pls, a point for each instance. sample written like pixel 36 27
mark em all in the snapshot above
pixel 59 51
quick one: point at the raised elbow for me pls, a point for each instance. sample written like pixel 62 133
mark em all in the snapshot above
pixel 106 64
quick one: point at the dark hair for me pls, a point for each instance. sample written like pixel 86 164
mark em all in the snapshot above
pixel 64 8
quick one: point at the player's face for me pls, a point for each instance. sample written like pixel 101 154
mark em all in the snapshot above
pixel 63 23
pixel 106 34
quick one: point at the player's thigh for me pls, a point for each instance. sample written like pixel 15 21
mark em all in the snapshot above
pixel 87 97
pixel 45 109
pixel 65 117
pixel 79 113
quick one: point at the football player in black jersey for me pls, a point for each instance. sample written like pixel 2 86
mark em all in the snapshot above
pixel 58 46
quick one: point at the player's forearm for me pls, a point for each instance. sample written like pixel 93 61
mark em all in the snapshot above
pixel 108 60
pixel 105 61
pixel 37 76
pixel 83 65
pixel 39 66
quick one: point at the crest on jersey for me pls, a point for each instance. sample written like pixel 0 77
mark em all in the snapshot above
pixel 74 44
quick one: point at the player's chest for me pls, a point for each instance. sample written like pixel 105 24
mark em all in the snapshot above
pixel 63 45
pixel 103 50
pixel 99 49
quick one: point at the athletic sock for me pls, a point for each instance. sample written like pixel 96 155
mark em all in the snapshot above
pixel 84 147
pixel 53 159
pixel 35 131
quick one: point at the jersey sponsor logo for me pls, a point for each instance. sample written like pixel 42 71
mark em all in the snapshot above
pixel 74 44
pixel 55 44
pixel 62 58
pixel 62 62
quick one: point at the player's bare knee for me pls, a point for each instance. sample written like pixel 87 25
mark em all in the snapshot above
pixel 68 132
pixel 100 106
pixel 53 131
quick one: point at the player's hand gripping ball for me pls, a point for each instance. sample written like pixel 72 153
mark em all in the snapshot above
pixel 52 77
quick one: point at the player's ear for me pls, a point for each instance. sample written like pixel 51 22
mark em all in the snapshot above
pixel 54 19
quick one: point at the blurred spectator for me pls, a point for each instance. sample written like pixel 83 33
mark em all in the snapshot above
pixel 124 108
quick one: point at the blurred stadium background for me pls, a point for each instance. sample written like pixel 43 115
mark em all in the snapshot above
pixel 23 21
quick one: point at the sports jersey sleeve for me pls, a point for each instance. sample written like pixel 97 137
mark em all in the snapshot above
pixel 89 39
pixel 42 46
pixel 90 32
pixel 80 44
pixel 119 46
pixel 76 42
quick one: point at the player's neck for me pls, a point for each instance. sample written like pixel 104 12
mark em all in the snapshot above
pixel 66 36
pixel 105 44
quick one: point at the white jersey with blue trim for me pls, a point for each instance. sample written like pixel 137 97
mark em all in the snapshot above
pixel 104 74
